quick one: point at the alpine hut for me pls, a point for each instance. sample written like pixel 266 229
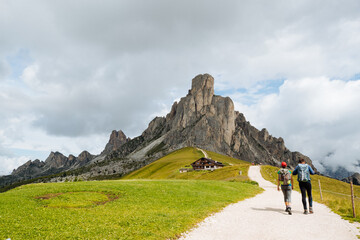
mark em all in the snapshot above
pixel 206 164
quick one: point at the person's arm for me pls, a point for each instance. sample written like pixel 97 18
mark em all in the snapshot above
pixel 311 170
pixel 278 183
pixel 292 182
pixel 296 170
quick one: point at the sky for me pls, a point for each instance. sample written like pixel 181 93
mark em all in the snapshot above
pixel 73 71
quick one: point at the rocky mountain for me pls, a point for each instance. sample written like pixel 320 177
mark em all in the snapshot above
pixel 55 163
pixel 204 120
pixel 117 138
pixel 201 119
pixel 338 172
pixel 209 121
pixel 355 178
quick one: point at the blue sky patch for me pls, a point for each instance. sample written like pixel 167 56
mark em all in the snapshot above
pixel 228 92
pixel 19 62
pixel 270 86
pixel 251 95
pixel 355 77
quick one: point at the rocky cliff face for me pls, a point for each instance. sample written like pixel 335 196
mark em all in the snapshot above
pixel 29 168
pixel 355 178
pixel 250 144
pixel 208 121
pixel 117 139
pixel 200 119
pixel 56 162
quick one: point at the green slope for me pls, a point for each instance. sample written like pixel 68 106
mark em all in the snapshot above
pixel 156 208
pixel 168 167
pixel 336 194
pixel 135 209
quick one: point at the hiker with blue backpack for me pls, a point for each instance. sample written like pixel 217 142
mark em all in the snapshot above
pixel 287 185
pixel 303 171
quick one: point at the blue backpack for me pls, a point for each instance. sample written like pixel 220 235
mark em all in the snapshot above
pixel 303 173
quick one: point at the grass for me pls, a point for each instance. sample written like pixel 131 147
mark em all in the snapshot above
pixel 168 167
pixel 122 209
pixel 336 194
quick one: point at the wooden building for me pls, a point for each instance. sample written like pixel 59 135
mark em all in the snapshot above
pixel 206 164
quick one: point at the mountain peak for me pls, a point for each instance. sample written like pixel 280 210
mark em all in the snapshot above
pixel 117 138
pixel 202 82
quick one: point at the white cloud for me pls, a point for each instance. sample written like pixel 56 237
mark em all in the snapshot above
pixel 315 116
pixel 11 163
pixel 91 68
pixel 29 76
pixel 4 70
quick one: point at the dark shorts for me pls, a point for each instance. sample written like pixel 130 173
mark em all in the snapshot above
pixel 286 189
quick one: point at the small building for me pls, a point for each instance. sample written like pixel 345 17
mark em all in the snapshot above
pixel 206 164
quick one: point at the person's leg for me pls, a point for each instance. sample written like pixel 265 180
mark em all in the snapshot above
pixel 308 190
pixel 288 198
pixel 303 195
pixel 283 189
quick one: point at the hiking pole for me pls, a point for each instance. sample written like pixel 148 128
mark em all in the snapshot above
pixel 320 190
pixel 352 199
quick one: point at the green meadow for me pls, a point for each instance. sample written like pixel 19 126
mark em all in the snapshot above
pixel 125 209
pixel 336 194
pixel 168 167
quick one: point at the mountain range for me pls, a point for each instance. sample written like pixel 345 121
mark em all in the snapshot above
pixel 200 119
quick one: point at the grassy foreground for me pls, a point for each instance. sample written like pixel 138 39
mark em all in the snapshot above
pixel 168 167
pixel 133 209
pixel 336 194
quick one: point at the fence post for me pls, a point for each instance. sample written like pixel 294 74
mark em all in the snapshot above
pixel 352 199
pixel 320 190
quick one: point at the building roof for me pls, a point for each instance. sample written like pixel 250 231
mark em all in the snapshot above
pixel 206 161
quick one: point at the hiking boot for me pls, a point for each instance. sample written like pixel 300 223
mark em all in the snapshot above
pixel 289 210
pixel 311 210
pixel 306 212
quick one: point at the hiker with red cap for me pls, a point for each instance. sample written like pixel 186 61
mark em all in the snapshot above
pixel 286 181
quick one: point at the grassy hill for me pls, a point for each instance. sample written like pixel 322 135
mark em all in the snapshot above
pixel 336 194
pixel 117 209
pixel 159 207
pixel 168 167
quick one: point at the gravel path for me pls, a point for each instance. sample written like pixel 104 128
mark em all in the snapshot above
pixel 205 154
pixel 263 217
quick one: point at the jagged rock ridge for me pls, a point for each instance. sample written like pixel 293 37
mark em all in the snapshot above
pixel 56 162
pixel 117 139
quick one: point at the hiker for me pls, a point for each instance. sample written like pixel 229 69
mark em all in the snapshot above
pixel 303 171
pixel 286 181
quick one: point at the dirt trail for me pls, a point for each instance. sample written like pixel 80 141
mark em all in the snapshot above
pixel 263 217
pixel 205 154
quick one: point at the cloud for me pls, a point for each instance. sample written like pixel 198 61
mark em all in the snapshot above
pixel 4 69
pixel 11 163
pixel 315 116
pixel 77 70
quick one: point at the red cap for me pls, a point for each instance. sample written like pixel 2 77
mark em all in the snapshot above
pixel 283 164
